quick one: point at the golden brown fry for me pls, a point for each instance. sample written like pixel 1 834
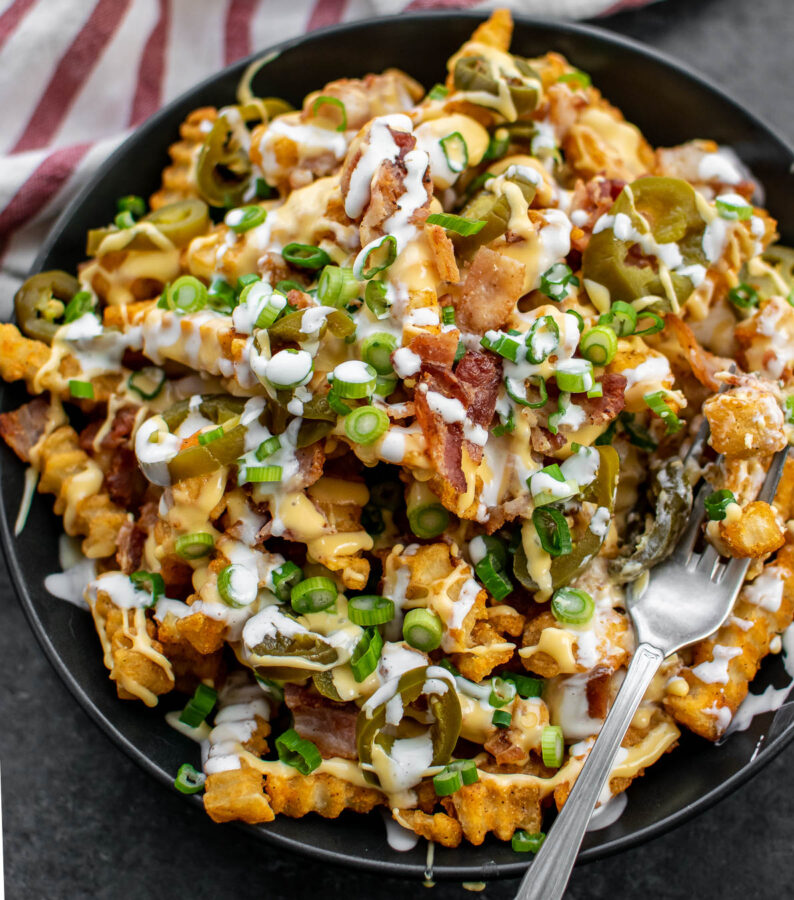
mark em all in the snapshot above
pixel 723 665
pixel 237 794
pixel 178 178
pixel 322 793
pixel 495 804
pixel 439 828
pixel 755 533
pixel 745 421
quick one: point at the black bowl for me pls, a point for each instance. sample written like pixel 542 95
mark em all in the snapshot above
pixel 671 105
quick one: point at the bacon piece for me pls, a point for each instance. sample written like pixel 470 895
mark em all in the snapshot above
pixel 118 433
pixel 594 197
pixel 329 725
pixel 543 441
pixel 490 291
pixel 480 374
pixel 310 464
pixel 443 253
pixel 130 542
pixel 444 439
pixel 704 364
pixel 22 428
pixel 598 692
pixel 436 348
pixel 600 410
pixel 124 480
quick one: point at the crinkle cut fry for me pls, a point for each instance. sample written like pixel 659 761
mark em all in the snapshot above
pixel 708 708
pixel 131 653
pixel 439 827
pixel 237 794
pixel 178 181
pixel 76 481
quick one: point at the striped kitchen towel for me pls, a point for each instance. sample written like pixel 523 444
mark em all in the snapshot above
pixel 78 75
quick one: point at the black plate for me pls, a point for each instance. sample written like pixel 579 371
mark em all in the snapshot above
pixel 670 105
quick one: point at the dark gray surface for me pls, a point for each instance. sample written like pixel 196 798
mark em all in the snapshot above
pixel 80 820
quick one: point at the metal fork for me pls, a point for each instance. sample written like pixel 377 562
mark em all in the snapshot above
pixel 687 597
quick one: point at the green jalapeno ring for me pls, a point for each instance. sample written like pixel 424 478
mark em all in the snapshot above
pixel 182 221
pixel 41 299
pixel 445 709
pixel 223 169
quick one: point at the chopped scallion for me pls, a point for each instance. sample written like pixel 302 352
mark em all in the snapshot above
pixel 422 629
pixel 297 752
pixel 572 606
pixel 313 595
pixel 458 224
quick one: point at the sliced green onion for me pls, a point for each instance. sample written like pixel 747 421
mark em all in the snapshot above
pixel 572 606
pixel 337 286
pixel 375 296
pixel 267 448
pixel 446 664
pixel 447 315
pixel 460 352
pixel 147 382
pixel 543 493
pixel 578 316
pixel 599 345
pixel 199 706
pixel 428 520
pixel 597 390
pixel 574 376
pixel 621 318
pixel 151 581
pixel 366 424
pixel 313 595
pixel 789 408
pixel 187 295
pixel 325 100
pixel 305 256
pixel 207 437
pixel 447 782
pixel 244 218
pixel 507 426
pixel 284 579
pixel 188 780
pixel 542 339
pixel 717 503
pixel 576 77
pixel 527 841
pixel 526 687
pixel 555 280
pixel 262 474
pixel 353 380
pixel 289 368
pixel 459 224
pixel 657 323
pixel 507 347
pixel 83 390
pixel 657 404
pixel 498 144
pixel 194 545
pixel 124 219
pixel 297 752
pixel 552 746
pixel 383 253
pixel 456 152
pixel 733 207
pixel 78 306
pixel 438 92
pixel 502 718
pixel 376 350
pixel 563 405
pixel 553 531
pixel 468 770
pixel 386 385
pixel 488 545
pixel 422 629
pixel 221 295
pixel 132 204
pixel 244 280
pixel 370 609
pixel 492 575
pixel 237 585
pixel 744 296
pixel 365 657
pixel 502 692
pixel 338 406
pixel 286 285
pixel 517 392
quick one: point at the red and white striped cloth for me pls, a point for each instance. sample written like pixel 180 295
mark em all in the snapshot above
pixel 78 75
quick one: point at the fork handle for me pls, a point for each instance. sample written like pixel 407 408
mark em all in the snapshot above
pixel 548 875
